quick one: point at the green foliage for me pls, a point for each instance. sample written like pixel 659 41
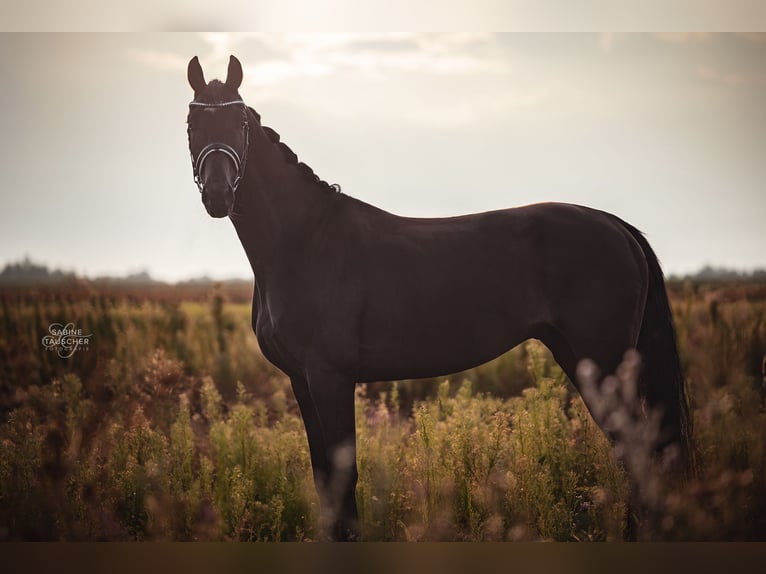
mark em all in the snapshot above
pixel 173 426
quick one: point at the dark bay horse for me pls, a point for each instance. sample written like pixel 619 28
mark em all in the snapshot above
pixel 348 293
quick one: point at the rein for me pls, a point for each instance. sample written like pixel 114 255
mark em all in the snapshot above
pixel 220 147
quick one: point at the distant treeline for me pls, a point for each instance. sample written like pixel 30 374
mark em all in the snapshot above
pixel 27 272
pixel 711 273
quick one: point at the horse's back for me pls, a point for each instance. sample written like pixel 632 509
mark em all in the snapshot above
pixel 545 243
pixel 470 287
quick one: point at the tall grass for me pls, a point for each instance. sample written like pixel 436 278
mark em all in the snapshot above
pixel 172 426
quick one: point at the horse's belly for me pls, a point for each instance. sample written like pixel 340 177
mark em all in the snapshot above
pixel 440 346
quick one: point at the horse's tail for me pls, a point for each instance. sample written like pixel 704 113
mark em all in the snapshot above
pixel 662 382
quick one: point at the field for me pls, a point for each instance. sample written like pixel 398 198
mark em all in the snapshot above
pixel 172 426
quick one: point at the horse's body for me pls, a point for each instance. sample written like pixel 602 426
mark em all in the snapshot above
pixel 385 297
pixel 348 293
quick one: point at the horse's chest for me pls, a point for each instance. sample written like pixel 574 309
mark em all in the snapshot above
pixel 295 333
pixel 275 342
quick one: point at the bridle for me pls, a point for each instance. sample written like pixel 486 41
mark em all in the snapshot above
pixel 226 149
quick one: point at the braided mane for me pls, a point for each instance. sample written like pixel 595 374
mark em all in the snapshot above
pixel 289 156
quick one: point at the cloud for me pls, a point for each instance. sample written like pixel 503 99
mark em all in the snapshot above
pixel 162 60
pixel 222 45
pixel 733 79
pixel 310 55
pixel 686 38
pixel 753 37
pixel 689 38
pixel 275 66
pixel 606 41
pixel 282 57
pixel 472 111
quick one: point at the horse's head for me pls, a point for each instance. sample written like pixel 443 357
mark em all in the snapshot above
pixel 218 136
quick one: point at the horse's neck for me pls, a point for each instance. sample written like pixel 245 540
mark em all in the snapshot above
pixel 276 207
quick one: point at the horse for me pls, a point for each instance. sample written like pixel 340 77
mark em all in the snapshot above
pixel 348 293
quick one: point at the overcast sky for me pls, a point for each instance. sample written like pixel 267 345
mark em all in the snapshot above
pixel 666 131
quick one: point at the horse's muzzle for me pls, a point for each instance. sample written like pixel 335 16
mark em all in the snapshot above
pixel 218 199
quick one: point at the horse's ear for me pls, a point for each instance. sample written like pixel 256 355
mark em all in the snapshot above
pixel 234 74
pixel 195 75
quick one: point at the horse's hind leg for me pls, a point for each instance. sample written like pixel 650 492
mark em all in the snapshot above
pixel 607 355
pixel 560 348
pixel 568 359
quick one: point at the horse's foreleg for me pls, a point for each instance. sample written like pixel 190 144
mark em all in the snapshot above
pixel 319 462
pixel 332 398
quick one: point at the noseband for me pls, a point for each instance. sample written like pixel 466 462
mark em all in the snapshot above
pixel 226 149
